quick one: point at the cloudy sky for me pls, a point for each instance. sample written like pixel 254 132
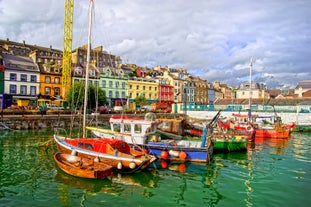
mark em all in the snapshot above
pixel 213 39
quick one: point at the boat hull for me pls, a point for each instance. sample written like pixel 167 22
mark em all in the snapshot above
pixel 120 162
pixel 167 151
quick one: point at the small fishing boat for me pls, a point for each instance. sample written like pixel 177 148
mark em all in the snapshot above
pixel 263 128
pixel 82 167
pixel 117 153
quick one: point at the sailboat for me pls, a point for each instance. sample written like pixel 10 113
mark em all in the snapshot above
pixel 117 153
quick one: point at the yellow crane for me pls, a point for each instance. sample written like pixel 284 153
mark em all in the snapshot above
pixel 67 47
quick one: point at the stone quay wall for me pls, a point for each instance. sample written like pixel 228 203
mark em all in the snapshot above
pixel 27 122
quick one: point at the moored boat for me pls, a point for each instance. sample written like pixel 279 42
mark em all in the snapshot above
pixel 82 167
pixel 117 153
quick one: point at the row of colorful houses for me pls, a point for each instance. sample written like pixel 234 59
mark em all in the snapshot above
pixel 32 76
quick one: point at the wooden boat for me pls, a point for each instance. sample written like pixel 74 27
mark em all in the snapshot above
pixel 82 167
pixel 230 142
pixel 116 153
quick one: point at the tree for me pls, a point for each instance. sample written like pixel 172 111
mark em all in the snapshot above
pixel 140 100
pixel 75 96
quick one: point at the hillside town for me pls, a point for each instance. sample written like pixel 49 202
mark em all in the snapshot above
pixel 32 76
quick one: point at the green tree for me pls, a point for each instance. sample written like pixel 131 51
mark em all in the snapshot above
pixel 75 96
pixel 140 100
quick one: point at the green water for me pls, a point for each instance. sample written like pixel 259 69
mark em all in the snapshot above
pixel 270 173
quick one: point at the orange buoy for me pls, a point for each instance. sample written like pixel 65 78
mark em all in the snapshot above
pixel 182 168
pixel 164 154
pixel 182 155
pixel 164 164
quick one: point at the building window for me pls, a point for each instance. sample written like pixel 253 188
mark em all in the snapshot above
pixel 47 91
pixel 56 91
pixel 47 79
pixel 13 76
pixel 110 94
pixel 33 78
pixel 56 80
pixel 123 85
pixel 137 87
pixel 110 84
pixel 123 94
pixel 24 77
pixel 117 84
pixel 12 89
pixel 23 90
pixel 130 96
pixel 104 84
pixel 130 87
pixel 117 94
pixel 144 87
pixel 33 90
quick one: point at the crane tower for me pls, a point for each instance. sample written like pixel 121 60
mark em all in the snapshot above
pixel 67 47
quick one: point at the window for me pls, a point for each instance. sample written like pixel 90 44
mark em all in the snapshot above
pixel 150 88
pixel 117 94
pixel 123 85
pixel 144 87
pixel 137 87
pixel 33 78
pixel 24 77
pixel 23 90
pixel 56 91
pixel 130 86
pixel 123 94
pixel 33 90
pixel 110 84
pixel 104 84
pixel 13 76
pixel 110 94
pixel 56 80
pixel 47 79
pixel 13 89
pixel 117 84
pixel 47 91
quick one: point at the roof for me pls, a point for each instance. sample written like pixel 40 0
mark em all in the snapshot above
pixel 305 84
pixel 19 63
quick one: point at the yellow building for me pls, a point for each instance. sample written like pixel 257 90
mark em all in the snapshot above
pixel 146 87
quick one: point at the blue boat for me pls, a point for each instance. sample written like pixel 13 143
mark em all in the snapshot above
pixel 141 133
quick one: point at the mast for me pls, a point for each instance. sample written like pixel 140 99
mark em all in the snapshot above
pixel 250 89
pixel 88 57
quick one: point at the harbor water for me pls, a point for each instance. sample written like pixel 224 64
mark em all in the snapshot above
pixel 271 172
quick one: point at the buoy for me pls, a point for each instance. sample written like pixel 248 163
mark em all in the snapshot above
pixel 132 165
pixel 164 164
pixel 182 155
pixel 74 152
pixel 96 159
pixel 119 166
pixel 182 168
pixel 174 153
pixel 164 154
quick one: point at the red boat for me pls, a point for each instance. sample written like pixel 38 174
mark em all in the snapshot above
pixel 263 129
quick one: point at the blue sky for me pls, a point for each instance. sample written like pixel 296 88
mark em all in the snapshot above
pixel 213 39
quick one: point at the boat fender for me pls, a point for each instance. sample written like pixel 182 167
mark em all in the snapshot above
pixel 182 155
pixel 164 154
pixel 173 153
pixel 96 159
pixel 74 152
pixel 132 165
pixel 119 166
pixel 249 128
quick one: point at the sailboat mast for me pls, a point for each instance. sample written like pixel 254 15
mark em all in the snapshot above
pixel 88 57
pixel 250 89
